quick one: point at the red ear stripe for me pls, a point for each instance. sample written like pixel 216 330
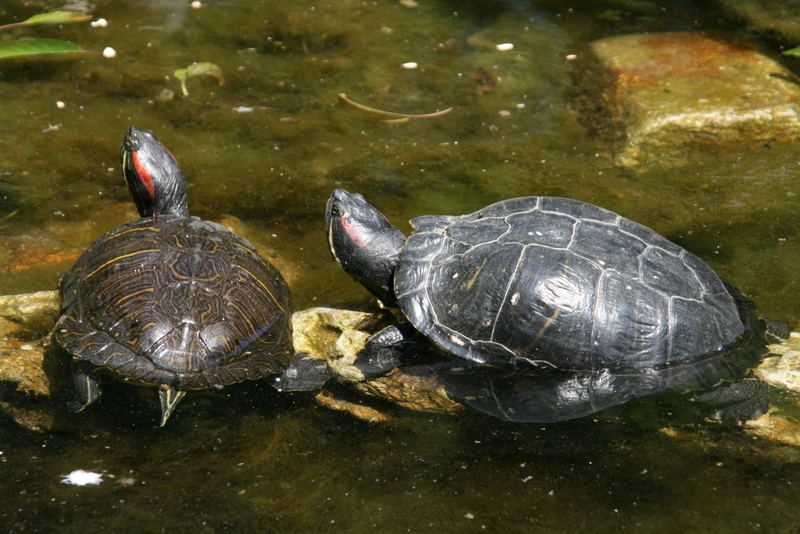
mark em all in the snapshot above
pixel 353 231
pixel 143 174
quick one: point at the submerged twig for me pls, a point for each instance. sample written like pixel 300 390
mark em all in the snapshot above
pixel 385 116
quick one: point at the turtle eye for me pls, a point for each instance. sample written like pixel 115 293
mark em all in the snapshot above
pixel 335 211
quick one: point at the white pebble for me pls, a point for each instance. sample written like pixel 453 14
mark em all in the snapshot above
pixel 60 104
pixel 99 23
pixel 109 52
pixel 197 4
pixel 504 47
pixel 409 65
pixel 80 477
pixel 571 57
pixel 243 109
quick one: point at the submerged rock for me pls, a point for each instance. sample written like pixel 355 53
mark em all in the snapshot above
pixel 781 17
pixel 668 93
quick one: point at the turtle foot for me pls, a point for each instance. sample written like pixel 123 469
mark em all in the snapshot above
pixel 303 374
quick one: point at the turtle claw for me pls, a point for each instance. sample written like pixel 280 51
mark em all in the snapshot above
pixel 169 397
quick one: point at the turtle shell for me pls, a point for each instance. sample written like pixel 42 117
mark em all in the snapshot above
pixel 555 282
pixel 176 301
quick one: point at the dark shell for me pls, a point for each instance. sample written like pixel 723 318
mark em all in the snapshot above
pixel 555 282
pixel 176 301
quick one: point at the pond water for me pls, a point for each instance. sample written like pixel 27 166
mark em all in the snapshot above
pixel 267 147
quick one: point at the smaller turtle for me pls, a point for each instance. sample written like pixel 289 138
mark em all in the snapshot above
pixel 174 302
pixel 541 284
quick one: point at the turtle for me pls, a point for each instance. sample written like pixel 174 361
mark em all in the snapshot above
pixel 172 301
pixel 540 285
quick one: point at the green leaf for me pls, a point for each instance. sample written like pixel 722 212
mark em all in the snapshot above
pixel 54 17
pixel 385 116
pixel 792 52
pixel 33 47
pixel 198 69
pixel 58 17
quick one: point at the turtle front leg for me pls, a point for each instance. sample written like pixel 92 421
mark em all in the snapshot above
pixel 383 350
pixel 87 388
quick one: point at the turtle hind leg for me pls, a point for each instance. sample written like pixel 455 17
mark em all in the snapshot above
pixel 87 387
pixel 169 398
pixel 738 401
pixel 304 373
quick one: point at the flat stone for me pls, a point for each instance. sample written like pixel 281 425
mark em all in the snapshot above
pixel 670 93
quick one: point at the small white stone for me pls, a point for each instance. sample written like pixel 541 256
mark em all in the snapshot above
pixel 197 4
pixel 80 477
pixel 109 52
pixel 409 65
pixel 505 47
pixel 26 346
pixel 60 104
pixel 571 57
pixel 243 109
pixel 99 23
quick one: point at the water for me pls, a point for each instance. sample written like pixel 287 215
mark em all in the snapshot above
pixel 250 460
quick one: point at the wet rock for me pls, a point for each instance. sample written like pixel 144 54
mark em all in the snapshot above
pixel 782 368
pixel 781 17
pixel 670 93
pixel 29 314
pixel 333 335
pixel 337 336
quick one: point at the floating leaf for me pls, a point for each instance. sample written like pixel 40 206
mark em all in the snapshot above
pixel 792 52
pixel 198 69
pixel 385 116
pixel 33 47
pixel 53 17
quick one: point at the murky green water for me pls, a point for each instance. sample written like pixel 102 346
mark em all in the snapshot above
pixel 251 461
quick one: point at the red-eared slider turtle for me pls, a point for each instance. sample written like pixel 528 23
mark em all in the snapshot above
pixel 171 301
pixel 538 283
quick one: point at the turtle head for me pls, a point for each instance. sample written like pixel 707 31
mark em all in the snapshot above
pixel 363 243
pixel 154 178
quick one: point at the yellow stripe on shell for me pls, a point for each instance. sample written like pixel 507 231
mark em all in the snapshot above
pixel 118 258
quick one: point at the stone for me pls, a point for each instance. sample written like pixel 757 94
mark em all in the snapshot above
pixel 29 314
pixel 666 94
pixel 337 336
pixel 782 367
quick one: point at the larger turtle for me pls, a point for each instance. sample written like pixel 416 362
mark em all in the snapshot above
pixel 538 283
pixel 169 300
